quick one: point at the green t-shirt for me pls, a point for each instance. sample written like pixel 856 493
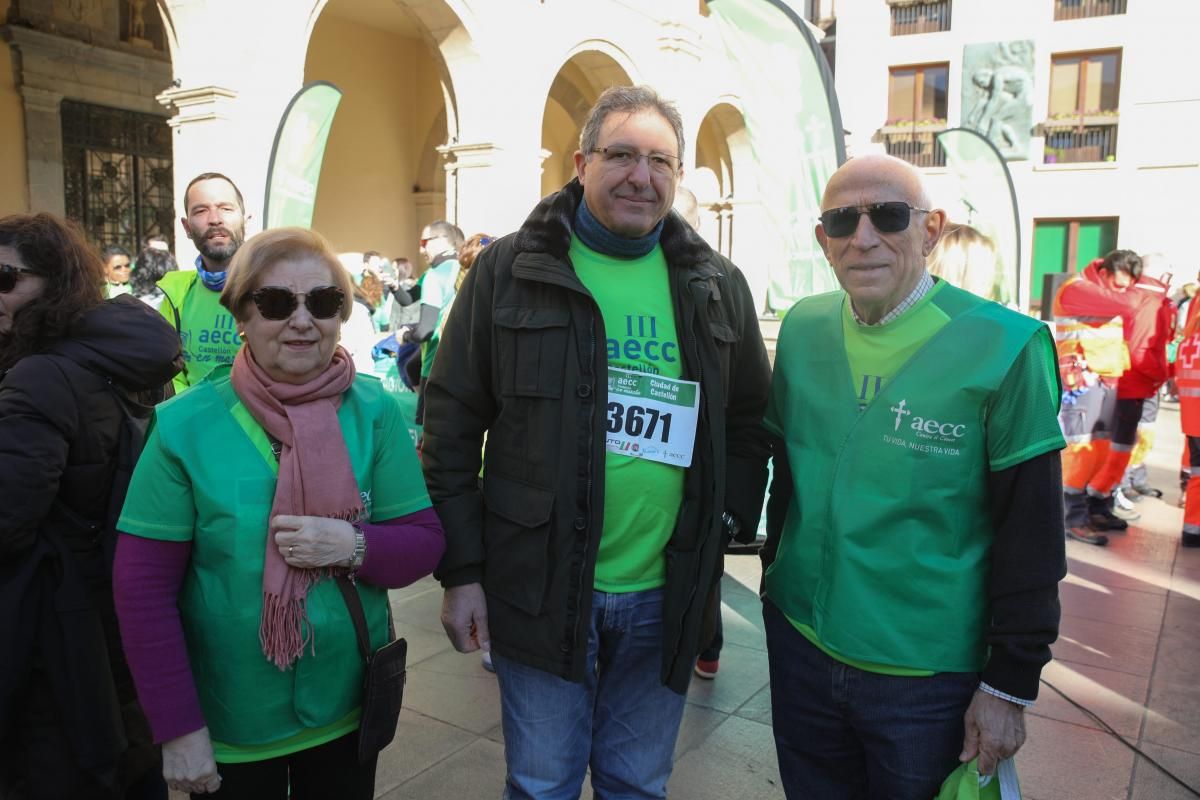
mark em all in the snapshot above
pixel 215 491
pixel 876 352
pixel 437 289
pixel 1015 429
pixel 641 497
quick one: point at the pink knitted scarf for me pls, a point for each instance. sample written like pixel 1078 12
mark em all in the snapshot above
pixel 315 479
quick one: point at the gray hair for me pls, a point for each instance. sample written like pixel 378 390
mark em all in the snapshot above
pixel 448 231
pixel 629 99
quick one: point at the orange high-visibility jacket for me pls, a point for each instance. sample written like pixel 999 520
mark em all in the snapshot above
pixel 1089 329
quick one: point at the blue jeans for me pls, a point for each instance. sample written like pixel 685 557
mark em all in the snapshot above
pixel 841 732
pixel 622 721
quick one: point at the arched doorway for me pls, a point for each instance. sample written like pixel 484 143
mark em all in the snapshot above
pixel 383 177
pixel 572 94
pixel 726 185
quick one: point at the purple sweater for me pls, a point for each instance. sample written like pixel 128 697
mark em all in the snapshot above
pixel 147 577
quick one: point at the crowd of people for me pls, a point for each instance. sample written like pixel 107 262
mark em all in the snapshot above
pixel 200 605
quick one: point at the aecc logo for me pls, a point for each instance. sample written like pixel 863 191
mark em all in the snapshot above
pixel 930 426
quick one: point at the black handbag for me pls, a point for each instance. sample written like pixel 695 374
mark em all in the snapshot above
pixel 383 680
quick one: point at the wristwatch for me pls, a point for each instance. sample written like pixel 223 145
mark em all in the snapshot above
pixel 360 548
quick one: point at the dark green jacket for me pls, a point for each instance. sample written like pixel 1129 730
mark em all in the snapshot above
pixel 523 360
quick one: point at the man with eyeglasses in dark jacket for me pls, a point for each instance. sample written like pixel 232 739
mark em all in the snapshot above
pixel 615 364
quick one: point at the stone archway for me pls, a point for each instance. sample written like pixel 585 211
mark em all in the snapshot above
pixel 383 177
pixel 572 93
pixel 726 185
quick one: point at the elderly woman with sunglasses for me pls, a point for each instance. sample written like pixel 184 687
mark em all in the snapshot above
pixel 256 488
pixel 70 725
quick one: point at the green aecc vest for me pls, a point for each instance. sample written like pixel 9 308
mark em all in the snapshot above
pixel 207 331
pixel 246 699
pixel 885 549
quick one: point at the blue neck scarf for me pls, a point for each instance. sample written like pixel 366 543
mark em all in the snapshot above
pixel 599 238
pixel 213 280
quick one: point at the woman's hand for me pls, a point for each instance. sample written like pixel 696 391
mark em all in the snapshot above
pixel 312 542
pixel 188 764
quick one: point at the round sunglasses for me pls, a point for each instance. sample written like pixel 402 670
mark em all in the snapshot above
pixel 890 217
pixel 8 276
pixel 279 303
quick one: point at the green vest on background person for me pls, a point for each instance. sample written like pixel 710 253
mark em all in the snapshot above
pixel 207 331
pixel 437 289
pixel 884 555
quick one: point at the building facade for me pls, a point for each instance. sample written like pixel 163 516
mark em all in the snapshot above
pixel 1090 101
pixel 468 110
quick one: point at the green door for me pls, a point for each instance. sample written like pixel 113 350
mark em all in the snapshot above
pixel 1097 237
pixel 1049 253
pixel 1052 246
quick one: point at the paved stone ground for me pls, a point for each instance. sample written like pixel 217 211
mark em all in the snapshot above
pixel 1129 650
pixel 450 746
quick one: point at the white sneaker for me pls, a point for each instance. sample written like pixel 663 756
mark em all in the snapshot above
pixel 1123 507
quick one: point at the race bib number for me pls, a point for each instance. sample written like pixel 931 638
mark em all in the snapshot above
pixel 652 417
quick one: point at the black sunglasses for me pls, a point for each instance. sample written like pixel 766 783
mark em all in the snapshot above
pixel 277 303
pixel 8 276
pixel 890 217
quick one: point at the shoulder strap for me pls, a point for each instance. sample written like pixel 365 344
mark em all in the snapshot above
pixel 354 606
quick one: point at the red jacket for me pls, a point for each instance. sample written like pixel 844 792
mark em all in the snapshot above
pixel 1148 321
pixel 1153 327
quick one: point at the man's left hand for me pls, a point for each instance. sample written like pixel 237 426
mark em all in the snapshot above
pixel 995 730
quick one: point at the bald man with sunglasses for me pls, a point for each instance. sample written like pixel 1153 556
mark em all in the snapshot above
pixel 915 528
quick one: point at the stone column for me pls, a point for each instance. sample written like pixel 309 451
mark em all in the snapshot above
pixel 218 129
pixel 480 172
pixel 44 150
pixel 202 127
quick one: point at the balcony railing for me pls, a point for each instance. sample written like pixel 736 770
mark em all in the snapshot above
pixel 1088 141
pixel 916 145
pixel 1078 9
pixel 920 17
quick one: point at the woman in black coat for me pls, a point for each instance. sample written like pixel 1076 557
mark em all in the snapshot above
pixel 70 366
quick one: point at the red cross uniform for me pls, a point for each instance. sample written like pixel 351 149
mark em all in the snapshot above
pixel 1187 378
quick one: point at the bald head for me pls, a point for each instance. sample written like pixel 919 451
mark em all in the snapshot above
pixel 879 268
pixel 881 171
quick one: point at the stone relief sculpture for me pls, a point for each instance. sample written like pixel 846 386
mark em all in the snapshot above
pixel 998 94
pixel 137 19
pixel 82 12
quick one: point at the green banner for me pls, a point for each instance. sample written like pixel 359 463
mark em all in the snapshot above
pixel 296 156
pixel 988 203
pixel 795 132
